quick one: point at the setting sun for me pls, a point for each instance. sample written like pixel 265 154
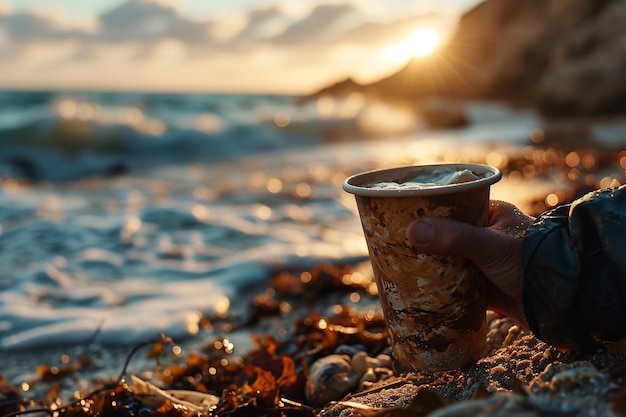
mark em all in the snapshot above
pixel 422 42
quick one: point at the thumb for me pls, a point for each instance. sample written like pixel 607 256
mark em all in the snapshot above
pixel 487 248
pixel 496 254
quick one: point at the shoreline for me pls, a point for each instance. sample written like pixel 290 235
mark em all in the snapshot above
pixel 518 374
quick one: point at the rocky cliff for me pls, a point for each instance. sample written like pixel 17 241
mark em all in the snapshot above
pixel 565 57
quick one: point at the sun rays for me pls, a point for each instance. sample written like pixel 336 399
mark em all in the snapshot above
pixel 422 42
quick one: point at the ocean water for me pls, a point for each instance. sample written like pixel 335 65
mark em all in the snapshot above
pixel 124 215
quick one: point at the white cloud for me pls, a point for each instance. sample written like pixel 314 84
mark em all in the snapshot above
pixel 24 27
pixel 322 23
pixel 377 34
pixel 152 44
pixel 142 20
pixel 262 24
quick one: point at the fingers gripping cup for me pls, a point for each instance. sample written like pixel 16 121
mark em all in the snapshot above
pixel 434 305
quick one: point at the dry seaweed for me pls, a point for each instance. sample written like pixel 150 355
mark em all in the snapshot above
pixel 268 381
pixel 271 379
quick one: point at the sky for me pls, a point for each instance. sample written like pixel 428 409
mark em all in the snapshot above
pixel 256 46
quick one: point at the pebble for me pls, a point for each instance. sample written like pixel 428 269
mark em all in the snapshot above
pixel 332 377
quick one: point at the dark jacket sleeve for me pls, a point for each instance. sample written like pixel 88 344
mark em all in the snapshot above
pixel 574 260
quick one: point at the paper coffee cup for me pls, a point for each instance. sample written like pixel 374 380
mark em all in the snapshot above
pixel 434 306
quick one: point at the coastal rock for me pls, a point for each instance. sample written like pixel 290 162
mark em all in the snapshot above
pixel 587 70
pixel 344 87
pixel 565 58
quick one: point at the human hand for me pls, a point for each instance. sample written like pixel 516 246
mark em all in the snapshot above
pixel 496 250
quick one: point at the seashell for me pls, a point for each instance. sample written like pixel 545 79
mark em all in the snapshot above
pixel 334 376
pixel 330 378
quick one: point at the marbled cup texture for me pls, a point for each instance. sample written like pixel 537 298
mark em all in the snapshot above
pixel 434 306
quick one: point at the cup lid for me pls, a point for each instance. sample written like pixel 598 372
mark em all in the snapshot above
pixel 361 184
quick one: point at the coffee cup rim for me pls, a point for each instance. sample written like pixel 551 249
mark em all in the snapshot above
pixel 356 184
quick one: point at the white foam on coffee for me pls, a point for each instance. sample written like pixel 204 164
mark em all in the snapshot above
pixel 434 178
